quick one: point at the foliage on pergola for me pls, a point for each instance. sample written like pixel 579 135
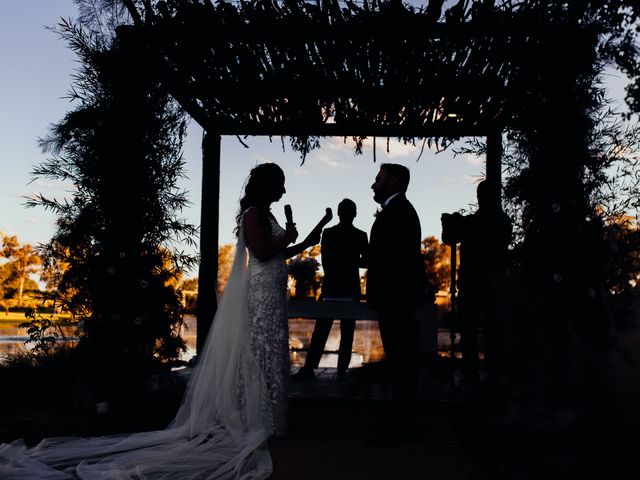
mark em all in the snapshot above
pixel 305 69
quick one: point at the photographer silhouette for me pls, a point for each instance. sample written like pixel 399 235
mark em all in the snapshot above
pixel 484 237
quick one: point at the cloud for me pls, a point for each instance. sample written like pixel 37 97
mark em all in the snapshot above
pixel 338 144
pixel 262 159
pixel 36 221
pixel 50 189
pixel 47 184
pixel 474 179
pixel 449 179
pixel 329 161
pixel 300 171
pixel 461 179
pixel 474 159
pixel 397 149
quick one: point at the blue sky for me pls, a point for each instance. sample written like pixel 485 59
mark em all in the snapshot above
pixel 36 74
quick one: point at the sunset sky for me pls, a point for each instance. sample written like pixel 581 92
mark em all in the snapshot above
pixel 36 74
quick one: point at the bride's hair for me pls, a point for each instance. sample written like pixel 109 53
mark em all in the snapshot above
pixel 259 193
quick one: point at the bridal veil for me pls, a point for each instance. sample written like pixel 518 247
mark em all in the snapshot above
pixel 219 432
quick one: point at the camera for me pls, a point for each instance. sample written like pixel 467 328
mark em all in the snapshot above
pixel 452 227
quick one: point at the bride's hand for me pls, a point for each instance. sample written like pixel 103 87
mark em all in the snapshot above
pixel 291 233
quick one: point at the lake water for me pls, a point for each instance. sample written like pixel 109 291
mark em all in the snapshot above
pixel 367 346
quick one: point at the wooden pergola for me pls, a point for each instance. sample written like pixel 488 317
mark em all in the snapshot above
pixel 308 70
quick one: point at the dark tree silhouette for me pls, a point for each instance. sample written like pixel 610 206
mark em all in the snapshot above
pixel 121 150
pixel 562 155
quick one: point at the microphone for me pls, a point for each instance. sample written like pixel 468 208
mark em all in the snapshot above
pixel 288 213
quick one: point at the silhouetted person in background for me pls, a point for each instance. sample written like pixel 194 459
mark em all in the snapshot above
pixel 484 238
pixel 396 286
pixel 343 248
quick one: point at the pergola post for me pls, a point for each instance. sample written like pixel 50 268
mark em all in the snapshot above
pixel 493 330
pixel 209 215
pixel 494 166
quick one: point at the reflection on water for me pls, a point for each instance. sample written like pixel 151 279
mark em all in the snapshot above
pixel 13 338
pixel 188 333
pixel 367 346
pixel 11 348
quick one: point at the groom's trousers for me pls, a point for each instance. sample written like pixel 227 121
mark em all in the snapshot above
pixel 399 330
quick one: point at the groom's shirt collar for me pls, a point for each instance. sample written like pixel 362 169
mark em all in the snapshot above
pixel 388 200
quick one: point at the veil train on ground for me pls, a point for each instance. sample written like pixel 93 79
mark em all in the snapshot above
pixel 219 432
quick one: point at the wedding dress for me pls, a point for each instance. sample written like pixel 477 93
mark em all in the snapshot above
pixel 234 400
pixel 269 327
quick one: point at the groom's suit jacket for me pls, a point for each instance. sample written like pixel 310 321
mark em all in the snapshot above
pixel 395 275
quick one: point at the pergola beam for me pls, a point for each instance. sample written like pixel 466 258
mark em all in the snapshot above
pixel 363 129
pixel 359 28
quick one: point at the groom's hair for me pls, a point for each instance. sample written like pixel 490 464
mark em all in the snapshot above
pixel 400 172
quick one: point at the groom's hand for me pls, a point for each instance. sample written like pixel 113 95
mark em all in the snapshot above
pixel 313 238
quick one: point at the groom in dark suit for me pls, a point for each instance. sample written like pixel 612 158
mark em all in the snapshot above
pixel 396 286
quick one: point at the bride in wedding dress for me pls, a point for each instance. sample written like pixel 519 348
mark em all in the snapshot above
pixel 237 395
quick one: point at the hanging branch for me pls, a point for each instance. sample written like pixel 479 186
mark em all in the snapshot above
pixel 374 149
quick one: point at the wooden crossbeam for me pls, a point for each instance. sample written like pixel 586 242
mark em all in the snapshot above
pixel 300 129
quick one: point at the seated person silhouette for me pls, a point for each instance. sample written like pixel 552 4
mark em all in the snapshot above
pixel 484 238
pixel 342 253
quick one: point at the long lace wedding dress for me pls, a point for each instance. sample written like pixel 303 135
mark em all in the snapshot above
pixel 269 327
pixel 235 400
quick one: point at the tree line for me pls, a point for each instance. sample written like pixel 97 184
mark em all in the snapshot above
pixel 17 287
pixel 306 273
